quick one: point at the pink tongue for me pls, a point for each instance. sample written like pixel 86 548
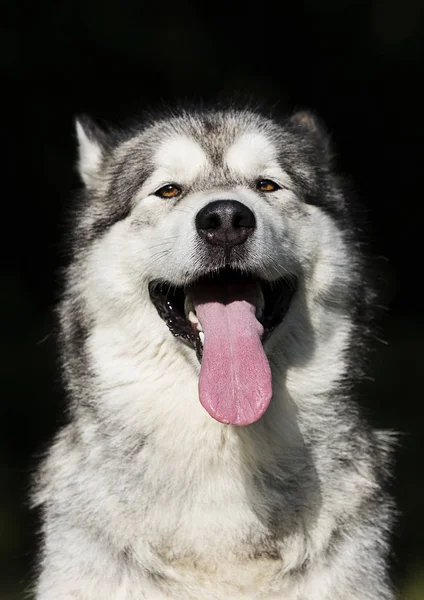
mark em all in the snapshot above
pixel 235 378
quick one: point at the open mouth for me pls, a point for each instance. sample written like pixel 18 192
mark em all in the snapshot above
pixel 175 304
pixel 226 317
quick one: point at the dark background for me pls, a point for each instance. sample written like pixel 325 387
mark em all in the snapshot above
pixel 358 64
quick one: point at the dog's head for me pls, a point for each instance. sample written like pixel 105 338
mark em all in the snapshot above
pixel 228 223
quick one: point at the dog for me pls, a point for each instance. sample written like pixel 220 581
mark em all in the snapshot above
pixel 212 326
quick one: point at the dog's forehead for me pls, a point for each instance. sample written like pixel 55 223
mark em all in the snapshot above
pixel 251 153
pixel 243 151
pixel 181 156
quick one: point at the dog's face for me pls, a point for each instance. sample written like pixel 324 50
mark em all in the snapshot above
pixel 227 219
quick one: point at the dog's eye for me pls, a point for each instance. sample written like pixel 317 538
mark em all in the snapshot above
pixel 266 185
pixel 168 191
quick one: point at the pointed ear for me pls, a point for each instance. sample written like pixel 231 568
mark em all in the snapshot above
pixel 307 123
pixel 92 146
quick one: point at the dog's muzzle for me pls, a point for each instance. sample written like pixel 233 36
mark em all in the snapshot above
pixel 226 313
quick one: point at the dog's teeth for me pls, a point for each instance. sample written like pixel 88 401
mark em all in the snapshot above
pixel 193 319
pixel 188 306
pixel 199 327
pixel 202 337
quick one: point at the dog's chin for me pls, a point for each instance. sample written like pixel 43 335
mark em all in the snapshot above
pixel 176 307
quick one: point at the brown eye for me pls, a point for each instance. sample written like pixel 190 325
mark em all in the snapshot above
pixel 168 191
pixel 266 185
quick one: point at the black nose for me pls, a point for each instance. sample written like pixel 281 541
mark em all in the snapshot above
pixel 225 223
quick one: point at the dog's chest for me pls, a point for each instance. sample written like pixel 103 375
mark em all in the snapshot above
pixel 219 535
pixel 215 520
pixel 230 562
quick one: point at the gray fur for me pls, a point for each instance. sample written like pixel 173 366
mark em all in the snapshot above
pixel 143 494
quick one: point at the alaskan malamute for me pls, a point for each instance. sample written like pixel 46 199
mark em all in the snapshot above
pixel 211 325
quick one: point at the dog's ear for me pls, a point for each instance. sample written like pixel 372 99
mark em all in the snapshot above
pixel 307 124
pixel 93 143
